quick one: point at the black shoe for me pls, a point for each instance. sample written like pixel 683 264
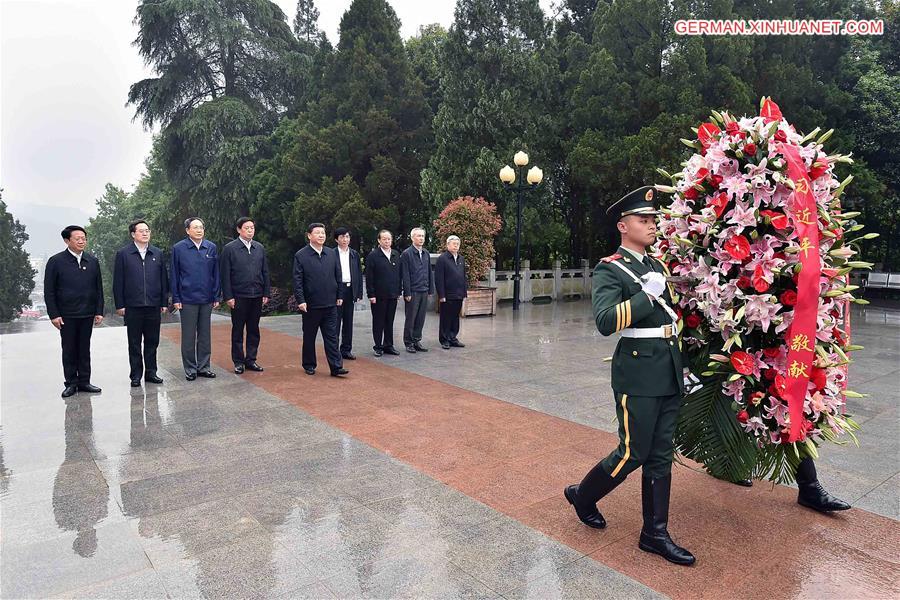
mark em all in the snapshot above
pixel 419 347
pixel 591 518
pixel 90 389
pixel 348 356
pixel 254 367
pixel 392 351
pixel 411 349
pixel 378 352
pixel 135 383
pixel 445 345
pixel 191 376
pixel 339 372
pixel 654 534
pixel 743 482
pixel 457 344
pixel 238 369
pixel 309 371
pixel 69 391
pixel 207 374
pixel 153 379
pixel 814 496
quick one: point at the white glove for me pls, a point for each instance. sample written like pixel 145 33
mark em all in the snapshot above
pixel 691 383
pixel 654 284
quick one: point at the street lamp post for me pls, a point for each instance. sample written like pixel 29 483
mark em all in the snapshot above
pixel 508 176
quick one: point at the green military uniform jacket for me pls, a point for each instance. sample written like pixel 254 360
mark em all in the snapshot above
pixel 640 366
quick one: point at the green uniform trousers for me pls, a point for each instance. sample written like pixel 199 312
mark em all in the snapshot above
pixel 646 431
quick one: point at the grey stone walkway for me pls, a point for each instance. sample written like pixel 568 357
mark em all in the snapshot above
pixel 218 489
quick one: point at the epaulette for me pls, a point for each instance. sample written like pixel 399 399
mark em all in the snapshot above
pixel 609 259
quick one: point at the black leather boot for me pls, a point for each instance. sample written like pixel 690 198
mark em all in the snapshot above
pixel 655 535
pixel 584 496
pixel 812 494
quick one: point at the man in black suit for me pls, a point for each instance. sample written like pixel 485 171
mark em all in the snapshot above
pixel 141 293
pixel 383 289
pixel 317 279
pixel 450 281
pixel 351 290
pixel 73 292
pixel 418 285
pixel 245 288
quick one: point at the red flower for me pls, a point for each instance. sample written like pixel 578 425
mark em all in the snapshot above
pixel 738 247
pixel 743 282
pixel 756 398
pixel 691 193
pixel 808 426
pixel 707 133
pixel 749 150
pixel 716 180
pixel 818 378
pixel 759 282
pixel 732 128
pixel 701 174
pixel 770 374
pixel 780 136
pixel 771 352
pixel 779 219
pixel 838 336
pixel 743 416
pixel 818 168
pixel 829 272
pixel 780 385
pixel 718 202
pixel 788 298
pixel 742 362
pixel 770 111
pixel 692 320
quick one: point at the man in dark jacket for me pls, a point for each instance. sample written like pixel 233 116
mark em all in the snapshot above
pixel 317 279
pixel 195 292
pixel 141 293
pixel 73 292
pixel 383 289
pixel 450 281
pixel 418 284
pixel 245 288
pixel 351 290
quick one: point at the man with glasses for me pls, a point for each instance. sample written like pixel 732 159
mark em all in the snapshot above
pixel 141 294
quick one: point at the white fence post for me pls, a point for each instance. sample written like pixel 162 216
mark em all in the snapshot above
pixel 557 280
pixel 525 283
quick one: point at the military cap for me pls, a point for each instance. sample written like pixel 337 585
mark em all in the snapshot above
pixel 638 202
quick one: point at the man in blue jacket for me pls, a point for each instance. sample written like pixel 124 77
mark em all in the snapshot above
pixel 195 292
pixel 317 279
pixel 450 281
pixel 73 292
pixel 141 294
pixel 245 288
pixel 418 284
pixel 351 290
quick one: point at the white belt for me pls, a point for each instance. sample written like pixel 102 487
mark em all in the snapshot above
pixel 666 331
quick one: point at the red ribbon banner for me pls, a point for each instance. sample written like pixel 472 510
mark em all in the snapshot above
pixel 801 338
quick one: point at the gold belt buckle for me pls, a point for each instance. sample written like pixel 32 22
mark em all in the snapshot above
pixel 667 331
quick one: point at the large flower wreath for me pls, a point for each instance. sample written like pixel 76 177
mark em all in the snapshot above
pixel 757 243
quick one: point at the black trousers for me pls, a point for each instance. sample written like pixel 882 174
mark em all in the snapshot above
pixel 345 319
pixel 245 314
pixel 76 349
pixel 416 308
pixel 325 319
pixel 383 312
pixel 142 324
pixel 448 327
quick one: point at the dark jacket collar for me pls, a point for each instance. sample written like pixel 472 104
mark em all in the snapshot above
pixel 633 263
pixel 204 244
pixel 151 249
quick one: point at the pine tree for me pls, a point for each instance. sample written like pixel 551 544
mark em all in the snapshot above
pixel 16 274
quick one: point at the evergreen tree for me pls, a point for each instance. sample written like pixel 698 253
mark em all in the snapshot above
pixel 16 274
pixel 306 22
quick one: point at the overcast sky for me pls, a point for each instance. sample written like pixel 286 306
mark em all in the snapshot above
pixel 65 70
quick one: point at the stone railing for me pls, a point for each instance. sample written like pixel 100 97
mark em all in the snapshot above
pixel 554 284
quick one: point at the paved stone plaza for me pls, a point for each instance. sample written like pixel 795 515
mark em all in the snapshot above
pixel 439 475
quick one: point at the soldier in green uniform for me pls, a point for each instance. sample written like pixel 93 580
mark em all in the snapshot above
pixel 630 297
